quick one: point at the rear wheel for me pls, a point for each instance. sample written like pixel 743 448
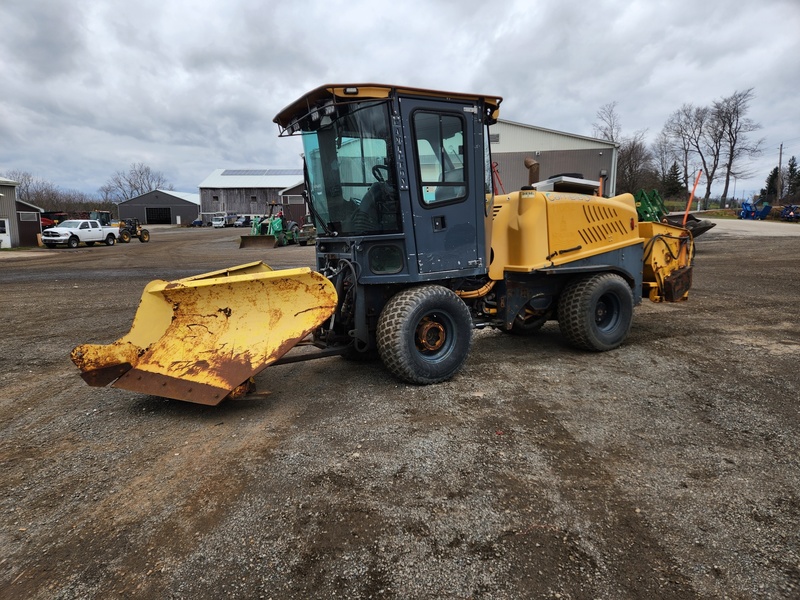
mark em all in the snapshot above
pixel 293 235
pixel 595 313
pixel 124 236
pixel 110 240
pixel 424 334
pixel 144 236
pixel 73 242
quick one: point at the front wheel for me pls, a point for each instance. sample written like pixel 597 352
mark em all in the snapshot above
pixel 73 242
pixel 595 313
pixel 424 334
pixel 144 236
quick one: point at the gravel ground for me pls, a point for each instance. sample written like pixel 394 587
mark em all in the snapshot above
pixel 667 468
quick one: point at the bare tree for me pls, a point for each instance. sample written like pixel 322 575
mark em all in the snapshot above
pixel 730 112
pixel 663 152
pixel 138 180
pixel 608 125
pixel 677 128
pixel 699 130
pixel 635 164
pixel 34 190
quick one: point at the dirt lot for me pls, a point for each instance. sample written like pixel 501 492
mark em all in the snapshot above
pixel 669 468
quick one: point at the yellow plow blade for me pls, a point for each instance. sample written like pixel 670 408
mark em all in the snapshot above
pixel 202 338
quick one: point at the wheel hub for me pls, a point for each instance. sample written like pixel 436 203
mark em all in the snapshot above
pixel 600 312
pixel 430 335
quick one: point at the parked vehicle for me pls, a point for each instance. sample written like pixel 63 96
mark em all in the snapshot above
pixel 242 222
pixel 651 207
pixel 223 220
pixel 197 223
pixel 751 211
pixel 131 228
pixel 308 233
pixel 71 233
pixel 791 213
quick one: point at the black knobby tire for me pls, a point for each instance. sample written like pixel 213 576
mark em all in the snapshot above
pixel 144 236
pixel 124 236
pixel 424 334
pixel 73 242
pixel 596 312
pixel 110 240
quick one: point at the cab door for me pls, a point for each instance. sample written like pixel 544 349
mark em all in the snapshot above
pixel 445 167
pixel 95 233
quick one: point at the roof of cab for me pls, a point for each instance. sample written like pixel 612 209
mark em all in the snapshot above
pixel 352 91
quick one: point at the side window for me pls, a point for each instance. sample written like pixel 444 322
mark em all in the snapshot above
pixel 84 225
pixel 440 156
pixel 95 225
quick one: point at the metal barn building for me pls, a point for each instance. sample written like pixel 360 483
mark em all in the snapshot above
pixel 248 191
pixel 162 207
pixel 20 222
pixel 556 152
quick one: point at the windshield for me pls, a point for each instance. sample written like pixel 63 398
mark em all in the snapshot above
pixel 70 224
pixel 351 171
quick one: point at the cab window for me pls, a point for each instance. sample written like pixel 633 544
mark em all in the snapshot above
pixel 440 156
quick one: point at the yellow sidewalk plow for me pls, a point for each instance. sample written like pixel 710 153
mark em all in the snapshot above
pixel 201 339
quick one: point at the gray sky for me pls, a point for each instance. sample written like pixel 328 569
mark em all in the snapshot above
pixel 88 87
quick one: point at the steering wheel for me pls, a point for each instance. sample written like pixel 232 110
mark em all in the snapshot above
pixel 376 172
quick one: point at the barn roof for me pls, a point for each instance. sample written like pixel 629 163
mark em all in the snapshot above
pixel 188 196
pixel 253 178
pixel 185 196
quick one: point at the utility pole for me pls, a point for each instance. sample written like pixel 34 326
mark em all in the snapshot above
pixel 780 176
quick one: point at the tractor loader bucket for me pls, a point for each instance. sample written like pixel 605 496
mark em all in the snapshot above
pixel 202 338
pixel 252 241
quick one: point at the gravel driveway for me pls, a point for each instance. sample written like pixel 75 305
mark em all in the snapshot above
pixel 668 468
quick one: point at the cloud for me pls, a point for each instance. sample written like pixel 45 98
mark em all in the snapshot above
pixel 91 86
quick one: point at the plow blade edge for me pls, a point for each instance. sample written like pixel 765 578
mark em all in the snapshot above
pixel 202 338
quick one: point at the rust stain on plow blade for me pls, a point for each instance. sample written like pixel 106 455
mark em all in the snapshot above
pixel 198 339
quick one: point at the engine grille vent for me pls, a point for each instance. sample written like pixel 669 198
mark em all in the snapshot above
pixel 603 222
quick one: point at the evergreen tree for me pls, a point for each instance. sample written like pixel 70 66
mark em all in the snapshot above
pixel 793 177
pixel 770 192
pixel 672 185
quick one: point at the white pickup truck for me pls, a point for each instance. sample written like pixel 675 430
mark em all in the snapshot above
pixel 75 231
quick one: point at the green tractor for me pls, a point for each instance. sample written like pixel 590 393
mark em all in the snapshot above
pixel 651 207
